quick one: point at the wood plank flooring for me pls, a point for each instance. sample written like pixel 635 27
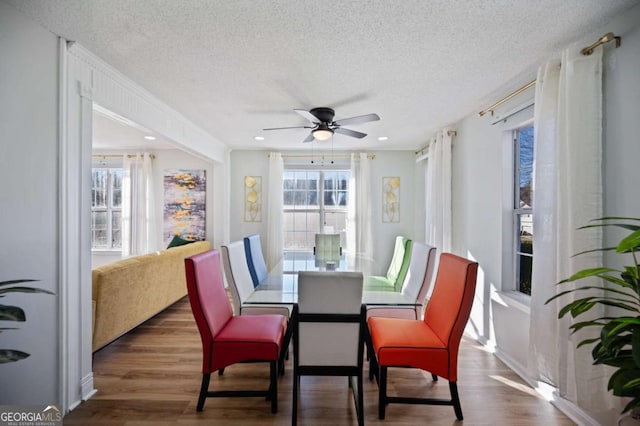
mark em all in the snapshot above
pixel 151 376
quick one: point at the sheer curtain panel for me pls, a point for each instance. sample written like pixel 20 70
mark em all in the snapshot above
pixel 567 195
pixel 438 197
pixel 139 231
pixel 359 238
pixel 275 243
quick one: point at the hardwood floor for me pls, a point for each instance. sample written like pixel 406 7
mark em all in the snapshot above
pixel 151 376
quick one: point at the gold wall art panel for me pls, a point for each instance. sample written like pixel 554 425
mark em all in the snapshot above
pixel 253 198
pixel 391 199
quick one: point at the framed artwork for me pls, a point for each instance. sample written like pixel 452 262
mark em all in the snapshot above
pixel 184 211
pixel 391 199
pixel 253 198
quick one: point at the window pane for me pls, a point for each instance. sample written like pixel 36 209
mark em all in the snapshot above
pixel 99 229
pixel 116 227
pixel 300 229
pixel 99 187
pixel 524 252
pixel 116 188
pixel 525 156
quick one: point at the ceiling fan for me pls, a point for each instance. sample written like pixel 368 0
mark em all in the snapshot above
pixel 324 127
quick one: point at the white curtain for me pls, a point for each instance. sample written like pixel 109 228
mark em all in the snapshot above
pixel 275 243
pixel 359 238
pixel 139 232
pixel 567 195
pixel 438 187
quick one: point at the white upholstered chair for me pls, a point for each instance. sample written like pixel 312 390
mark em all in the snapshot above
pixel 236 271
pixel 328 330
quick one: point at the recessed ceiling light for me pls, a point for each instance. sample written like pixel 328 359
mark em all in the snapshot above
pixel 383 138
pixel 259 138
pixel 150 138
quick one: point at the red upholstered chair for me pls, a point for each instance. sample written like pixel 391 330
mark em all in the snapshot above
pixel 430 344
pixel 228 339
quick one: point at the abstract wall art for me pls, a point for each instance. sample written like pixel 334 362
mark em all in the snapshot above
pixel 184 205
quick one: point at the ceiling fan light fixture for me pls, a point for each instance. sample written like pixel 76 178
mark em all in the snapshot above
pixel 322 134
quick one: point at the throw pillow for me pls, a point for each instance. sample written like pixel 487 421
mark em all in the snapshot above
pixel 177 241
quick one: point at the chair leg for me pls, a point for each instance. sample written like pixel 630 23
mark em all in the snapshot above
pixel 273 388
pixel 382 392
pixel 360 407
pixel 434 377
pixel 294 408
pixel 455 399
pixel 204 388
pixel 221 372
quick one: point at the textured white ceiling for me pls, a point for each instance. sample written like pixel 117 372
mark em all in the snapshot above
pixel 236 67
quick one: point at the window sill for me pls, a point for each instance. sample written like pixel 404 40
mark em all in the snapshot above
pixel 513 299
pixel 106 251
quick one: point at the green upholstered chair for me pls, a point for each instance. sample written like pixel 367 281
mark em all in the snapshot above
pixel 397 269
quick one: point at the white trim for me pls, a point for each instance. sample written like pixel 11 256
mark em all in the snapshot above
pixel 63 259
pixel 114 91
pixel 86 385
pixel 512 299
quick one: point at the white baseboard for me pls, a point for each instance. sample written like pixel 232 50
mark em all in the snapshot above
pixel 87 390
pixel 568 408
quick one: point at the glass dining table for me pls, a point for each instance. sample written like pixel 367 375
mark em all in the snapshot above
pixel 281 285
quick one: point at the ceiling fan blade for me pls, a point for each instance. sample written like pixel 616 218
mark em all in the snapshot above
pixel 351 133
pixel 309 138
pixel 294 127
pixel 359 119
pixel 307 115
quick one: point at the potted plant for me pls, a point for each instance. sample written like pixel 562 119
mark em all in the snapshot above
pixel 618 344
pixel 14 313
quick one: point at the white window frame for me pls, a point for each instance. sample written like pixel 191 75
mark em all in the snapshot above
pixel 109 209
pixel 518 212
pixel 321 210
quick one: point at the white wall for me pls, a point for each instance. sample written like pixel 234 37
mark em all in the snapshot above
pixel 386 163
pixel 479 180
pixel 29 198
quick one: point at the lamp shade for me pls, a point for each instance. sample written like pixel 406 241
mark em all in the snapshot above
pixel 322 134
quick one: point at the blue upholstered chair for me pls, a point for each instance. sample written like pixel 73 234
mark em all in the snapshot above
pixel 255 259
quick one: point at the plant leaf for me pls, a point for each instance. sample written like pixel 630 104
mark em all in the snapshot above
pixel 635 345
pixel 24 290
pixel 613 290
pixel 635 403
pixel 4 283
pixel 10 355
pixel 630 243
pixel 11 313
pixel 587 341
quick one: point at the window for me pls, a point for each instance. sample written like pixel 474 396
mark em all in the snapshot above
pixel 106 209
pixel 315 201
pixel 523 207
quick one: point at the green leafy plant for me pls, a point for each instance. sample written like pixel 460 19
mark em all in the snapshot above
pixel 618 344
pixel 14 313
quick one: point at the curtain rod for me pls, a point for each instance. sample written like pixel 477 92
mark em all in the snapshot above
pixel 153 156
pixel 506 98
pixel 323 156
pixel 586 51
pixel 602 40
pixel 424 148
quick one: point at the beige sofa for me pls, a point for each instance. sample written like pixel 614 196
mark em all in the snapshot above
pixel 130 291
